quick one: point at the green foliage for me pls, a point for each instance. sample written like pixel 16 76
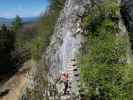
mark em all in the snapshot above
pixel 104 72
pixel 57 4
pixel 25 36
pixel 39 38
pixel 17 23
pixel 97 12
pixel 46 28
pixel 38 46
pixel 7 39
pixel 110 7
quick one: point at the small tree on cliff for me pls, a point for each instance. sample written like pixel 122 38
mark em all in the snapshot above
pixel 17 23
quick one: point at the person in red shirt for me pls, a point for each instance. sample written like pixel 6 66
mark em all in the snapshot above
pixel 65 80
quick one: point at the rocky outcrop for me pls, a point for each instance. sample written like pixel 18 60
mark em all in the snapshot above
pixel 62 53
pixel 127 15
pixel 67 38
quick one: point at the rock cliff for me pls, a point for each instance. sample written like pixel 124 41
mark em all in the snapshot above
pixel 67 39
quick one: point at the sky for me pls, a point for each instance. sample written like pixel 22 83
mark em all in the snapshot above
pixel 23 8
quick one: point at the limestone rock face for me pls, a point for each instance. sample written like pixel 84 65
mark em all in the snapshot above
pixel 127 12
pixel 62 53
pixel 127 15
pixel 67 38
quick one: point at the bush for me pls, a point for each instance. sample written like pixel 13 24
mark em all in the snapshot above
pixel 46 28
pixel 104 65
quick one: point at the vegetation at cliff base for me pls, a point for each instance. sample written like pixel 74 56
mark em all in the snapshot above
pixel 105 73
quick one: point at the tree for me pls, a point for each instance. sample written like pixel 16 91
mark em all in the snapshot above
pixel 46 28
pixel 17 23
pixel 57 4
pixel 3 27
pixel 7 39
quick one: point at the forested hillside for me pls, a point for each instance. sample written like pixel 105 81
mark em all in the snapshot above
pixel 7 41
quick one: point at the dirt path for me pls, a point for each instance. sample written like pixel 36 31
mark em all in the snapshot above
pixel 12 89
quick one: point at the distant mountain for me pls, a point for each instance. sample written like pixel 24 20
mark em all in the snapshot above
pixel 30 19
pixel 5 21
pixel 26 20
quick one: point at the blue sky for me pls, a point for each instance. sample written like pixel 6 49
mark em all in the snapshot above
pixel 23 8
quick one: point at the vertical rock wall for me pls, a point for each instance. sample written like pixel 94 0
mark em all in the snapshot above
pixel 67 38
pixel 127 15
